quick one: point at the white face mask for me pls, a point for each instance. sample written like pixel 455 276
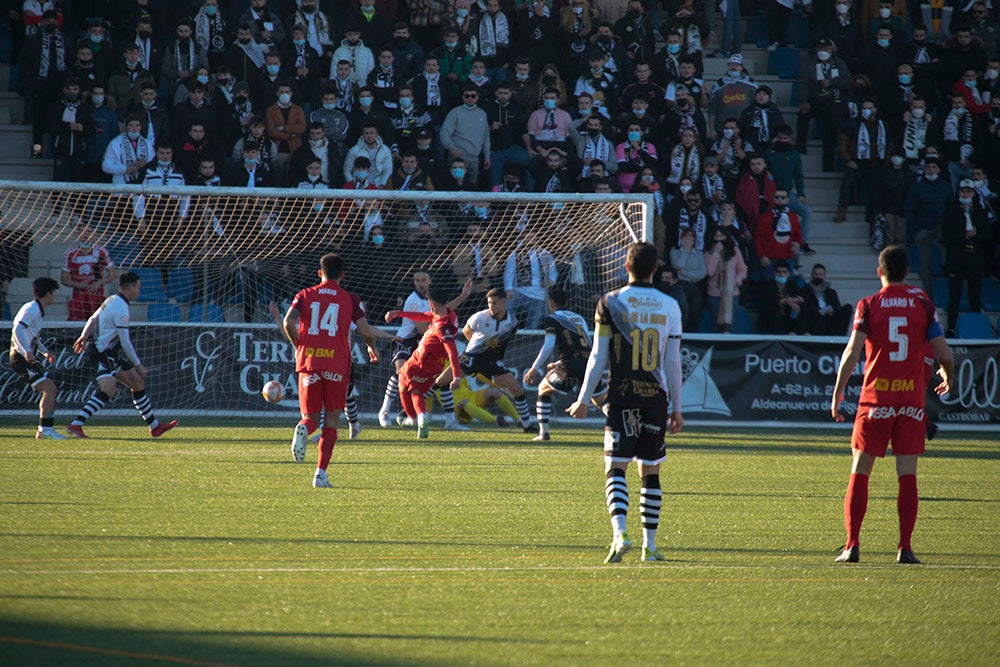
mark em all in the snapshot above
pixel 931 177
pixel 823 55
pixel 842 9
pixel 917 113
pixel 885 12
pixel 991 74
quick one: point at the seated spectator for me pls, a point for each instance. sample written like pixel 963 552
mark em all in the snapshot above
pixel 548 127
pixel 556 172
pixel 825 315
pixel 320 148
pixel 781 303
pixel 668 283
pixel 592 144
pixel 457 177
pixel 250 171
pixel 370 144
pixel 358 54
pixel 257 135
pixel 686 213
pixel 409 176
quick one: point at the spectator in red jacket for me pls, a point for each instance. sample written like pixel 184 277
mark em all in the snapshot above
pixel 777 236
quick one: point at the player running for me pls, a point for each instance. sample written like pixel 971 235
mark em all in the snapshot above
pixel 318 324
pixel 25 348
pixel 115 358
pixel 425 367
pixel 639 328
pixel 893 328
pixel 566 332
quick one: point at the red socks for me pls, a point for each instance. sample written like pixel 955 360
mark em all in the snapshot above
pixel 408 400
pixel 309 424
pixel 906 505
pixel 855 506
pixel 326 442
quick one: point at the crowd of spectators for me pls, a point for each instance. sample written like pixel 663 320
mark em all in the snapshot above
pixel 558 97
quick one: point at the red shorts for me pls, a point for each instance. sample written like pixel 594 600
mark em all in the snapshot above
pixel 318 393
pixel 876 426
pixel 82 306
pixel 417 380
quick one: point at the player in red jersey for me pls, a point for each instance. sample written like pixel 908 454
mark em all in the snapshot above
pixel 420 372
pixel 87 268
pixel 318 324
pixel 893 327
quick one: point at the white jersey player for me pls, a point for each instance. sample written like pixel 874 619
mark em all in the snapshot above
pixel 25 349
pixel 115 359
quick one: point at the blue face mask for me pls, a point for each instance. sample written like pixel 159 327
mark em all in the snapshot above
pixel 273 69
pixel 365 101
pixel 550 104
pixel 971 84
pixel 585 112
pixel 360 176
pixel 378 240
pixel 904 79
pixel 98 100
pixel 163 165
pixel 133 135
pixel 210 10
pixel 462 13
pixel 329 106
pixel 406 102
pixel 639 113
pixel 284 98
pixel 469 106
pixel 634 136
pixel 882 42
pixel 96 39
pixel 673 49
pixel 451 45
pixel 781 280
pixel 202 79
pixel 965 200
pixel 299 42
pixel 251 161
pixel 480 210
pixel 458 173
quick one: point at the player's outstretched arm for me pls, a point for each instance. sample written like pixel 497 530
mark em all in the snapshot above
pixel 946 361
pixel 595 366
pixel 462 296
pixel 88 328
pixel 848 361
pixel 534 373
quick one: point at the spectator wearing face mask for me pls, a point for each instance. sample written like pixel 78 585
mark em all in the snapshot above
pixel 990 141
pixel 924 208
pixel 826 77
pixel 689 262
pixel 823 312
pixel 962 52
pixel 967 234
pixel 843 30
pixel 924 57
pixel 777 235
pixel 732 93
pixel 864 146
pixel 69 124
pixel 781 302
pixel 887 18
pixel 959 135
pixel 897 181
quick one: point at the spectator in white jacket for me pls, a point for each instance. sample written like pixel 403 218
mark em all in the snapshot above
pixel 371 146
pixel 354 51
pixel 127 154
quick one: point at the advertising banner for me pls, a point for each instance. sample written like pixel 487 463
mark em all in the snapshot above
pixel 220 368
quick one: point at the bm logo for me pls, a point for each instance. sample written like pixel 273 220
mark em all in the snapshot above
pixel 896 385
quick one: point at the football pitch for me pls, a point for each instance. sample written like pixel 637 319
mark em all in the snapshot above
pixel 210 547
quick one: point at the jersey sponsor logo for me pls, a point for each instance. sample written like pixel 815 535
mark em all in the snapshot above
pixel 889 412
pixel 312 378
pixel 734 98
pixel 320 352
pixel 883 384
pixel 699 393
pixel 636 301
pixel 332 377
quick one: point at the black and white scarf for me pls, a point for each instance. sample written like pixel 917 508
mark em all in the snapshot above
pixel 494 31
pixel 760 121
pixel 598 149
pixel 914 137
pixel 865 141
pixel 44 61
pixel 781 224
pixel 145 51
pixel 433 89
pixel 698 225
pixel 317 28
pixel 190 55
pixel 957 130
pixel 684 162
pixel 208 31
pixel 300 56
pixel 134 151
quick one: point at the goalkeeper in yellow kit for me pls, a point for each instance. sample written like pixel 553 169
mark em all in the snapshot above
pixel 475 404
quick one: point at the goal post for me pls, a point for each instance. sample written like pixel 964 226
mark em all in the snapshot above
pixel 212 260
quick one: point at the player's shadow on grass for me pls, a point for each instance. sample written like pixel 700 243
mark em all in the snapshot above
pixel 35 643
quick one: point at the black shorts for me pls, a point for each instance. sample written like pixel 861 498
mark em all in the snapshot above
pixel 482 364
pixel 110 362
pixel 636 433
pixel 33 373
pixel 405 348
pixel 565 377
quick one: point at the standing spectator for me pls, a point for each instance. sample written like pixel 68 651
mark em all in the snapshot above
pixel 124 79
pixel 985 29
pixel 69 123
pixel 465 133
pixel 105 124
pixel 825 78
pixel 926 203
pixel 43 66
pixel 967 233
pixel 245 57
pixel 528 274
pixel 210 32
pixel 182 57
pixel 880 59
pixel 781 303
pixel 913 135
pixel 334 120
pixel 844 32
pixel 968 87
pixel 755 192
pixel 425 19
pixel 825 315
pixel 592 144
pixel 194 110
pixel 897 182
pixel 286 123
pixel 760 120
pixel 496 41
pixel 303 64
pixel 730 151
pixel 685 159
pixel 556 172
pixel 925 59
pixel 265 26
pixel 686 213
pixel 319 31
pixel 87 268
pixel 633 154
pixel 961 52
pixel 778 235
pixel 779 13
pixel 644 88
pixel 408 118
pixel 732 93
pixel 347 90
pixel 732 40
pixel 356 52
pixel 408 57
pixel 385 80
pixel 367 112
pixel 506 121
pixel 683 115
pixel 635 31
pixel 689 263
pixel 865 147
pixel 454 61
pixel 576 27
pixel 375 26
pixel 785 164
pixel 726 271
pixel 127 154
pixel 959 137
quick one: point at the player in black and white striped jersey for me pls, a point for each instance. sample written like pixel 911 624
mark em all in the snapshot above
pixel 566 333
pixel 115 358
pixel 26 347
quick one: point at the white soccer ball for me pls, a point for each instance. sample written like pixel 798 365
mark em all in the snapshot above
pixel 273 392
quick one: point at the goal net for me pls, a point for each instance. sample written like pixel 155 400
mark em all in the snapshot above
pixel 212 261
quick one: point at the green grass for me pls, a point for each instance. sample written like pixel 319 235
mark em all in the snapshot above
pixel 209 546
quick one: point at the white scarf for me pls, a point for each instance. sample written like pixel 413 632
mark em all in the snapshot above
pixel 493 31
pixel 693 38
pixel 43 65
pixel 253 51
pixel 865 141
pixel 761 123
pixel 781 224
pixel 827 70
pixel 681 166
pixel 699 225
pixel 317 28
pixel 145 51
pixel 599 149
pixel 956 130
